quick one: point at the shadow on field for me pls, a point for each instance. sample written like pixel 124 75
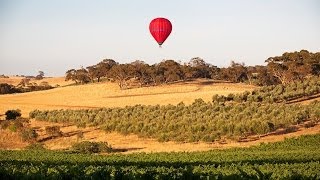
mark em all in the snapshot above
pixel 125 149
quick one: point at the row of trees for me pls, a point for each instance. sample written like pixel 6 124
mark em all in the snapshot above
pixel 280 69
pixel 165 72
pixel 199 121
pixel 24 86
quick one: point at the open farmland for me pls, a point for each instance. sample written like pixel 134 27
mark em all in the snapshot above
pixel 109 95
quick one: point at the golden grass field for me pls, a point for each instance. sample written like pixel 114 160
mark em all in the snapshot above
pixel 109 95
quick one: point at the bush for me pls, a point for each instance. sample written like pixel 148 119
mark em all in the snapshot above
pixel 8 89
pixel 53 131
pixel 91 147
pixel 28 134
pixel 12 114
pixel 15 126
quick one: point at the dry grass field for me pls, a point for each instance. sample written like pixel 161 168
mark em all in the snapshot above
pixel 109 95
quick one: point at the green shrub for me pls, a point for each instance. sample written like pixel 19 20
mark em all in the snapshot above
pixel 91 147
pixel 12 114
pixel 12 128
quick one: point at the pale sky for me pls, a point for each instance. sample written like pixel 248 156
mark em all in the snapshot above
pixel 57 35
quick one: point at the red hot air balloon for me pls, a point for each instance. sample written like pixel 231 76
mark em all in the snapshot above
pixel 160 29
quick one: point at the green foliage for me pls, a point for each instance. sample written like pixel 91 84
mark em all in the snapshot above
pixel 91 147
pixel 291 159
pixel 12 114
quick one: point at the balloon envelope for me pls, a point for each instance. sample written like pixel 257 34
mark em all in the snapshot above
pixel 160 28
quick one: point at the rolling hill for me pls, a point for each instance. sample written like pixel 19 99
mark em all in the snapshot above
pixel 109 95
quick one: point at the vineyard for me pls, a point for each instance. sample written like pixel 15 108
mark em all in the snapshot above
pixel 234 116
pixel 292 159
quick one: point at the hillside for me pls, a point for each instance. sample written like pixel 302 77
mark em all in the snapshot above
pixel 109 95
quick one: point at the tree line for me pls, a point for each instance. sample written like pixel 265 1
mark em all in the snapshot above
pixel 25 85
pixel 279 70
